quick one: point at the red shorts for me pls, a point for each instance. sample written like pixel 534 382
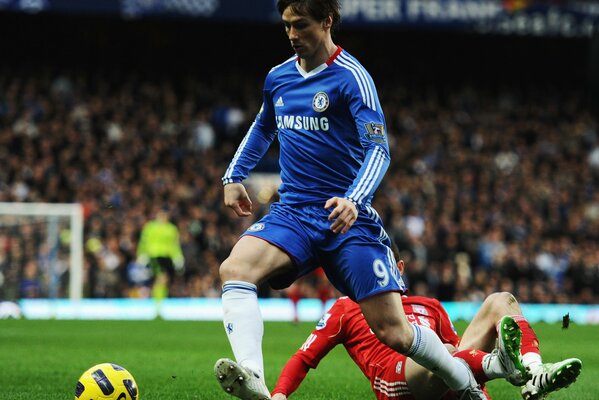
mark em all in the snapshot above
pixel 389 380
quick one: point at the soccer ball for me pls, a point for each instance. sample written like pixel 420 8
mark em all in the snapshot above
pixel 106 382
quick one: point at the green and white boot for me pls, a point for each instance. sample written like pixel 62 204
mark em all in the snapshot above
pixel 509 340
pixel 547 378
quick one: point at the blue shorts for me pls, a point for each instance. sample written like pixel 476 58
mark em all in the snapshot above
pixel 359 263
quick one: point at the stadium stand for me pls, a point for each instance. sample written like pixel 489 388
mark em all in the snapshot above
pixel 494 181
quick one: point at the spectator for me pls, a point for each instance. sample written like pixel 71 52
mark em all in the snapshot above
pixel 513 175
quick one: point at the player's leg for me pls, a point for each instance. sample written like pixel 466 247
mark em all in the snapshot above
pixel 276 245
pixel 503 361
pixel 422 383
pixel 482 333
pixel 385 316
pixel 544 377
pixel 550 377
pixel 251 261
pixel 402 378
pixel 360 263
pixel 167 270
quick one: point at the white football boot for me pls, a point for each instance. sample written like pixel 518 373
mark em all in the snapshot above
pixel 239 381
pixel 550 377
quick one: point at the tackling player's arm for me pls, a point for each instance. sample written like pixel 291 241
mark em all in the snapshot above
pixel 328 333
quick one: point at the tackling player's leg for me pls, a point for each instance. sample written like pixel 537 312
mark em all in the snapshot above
pixel 385 316
pixel 544 378
pixel 509 342
pixel 503 362
pixel 360 263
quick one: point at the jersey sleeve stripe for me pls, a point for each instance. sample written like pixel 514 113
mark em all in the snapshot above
pixel 374 166
pixel 373 214
pixel 364 99
pixel 361 183
pixel 227 177
pixel 363 87
pixel 362 72
pixel 365 78
pixel 371 179
pixel 391 258
pixel 372 170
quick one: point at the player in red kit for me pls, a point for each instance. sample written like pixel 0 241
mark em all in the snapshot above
pixel 394 376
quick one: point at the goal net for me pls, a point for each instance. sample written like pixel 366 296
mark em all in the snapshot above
pixel 41 250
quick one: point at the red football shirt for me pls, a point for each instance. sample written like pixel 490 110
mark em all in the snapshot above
pixel 344 324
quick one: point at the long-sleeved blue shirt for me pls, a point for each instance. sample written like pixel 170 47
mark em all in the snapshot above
pixel 331 129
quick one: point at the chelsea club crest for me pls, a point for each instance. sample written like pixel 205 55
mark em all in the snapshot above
pixel 320 102
pixel 256 227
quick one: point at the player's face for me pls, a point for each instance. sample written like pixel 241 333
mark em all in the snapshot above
pixel 306 34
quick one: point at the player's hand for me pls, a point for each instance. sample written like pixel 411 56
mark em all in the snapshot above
pixel 344 214
pixel 236 197
pixel 142 259
pixel 179 264
pixel 279 396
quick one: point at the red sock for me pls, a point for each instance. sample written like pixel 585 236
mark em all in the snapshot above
pixel 530 342
pixel 474 358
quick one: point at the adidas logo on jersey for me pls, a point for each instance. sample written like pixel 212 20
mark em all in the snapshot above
pixel 279 102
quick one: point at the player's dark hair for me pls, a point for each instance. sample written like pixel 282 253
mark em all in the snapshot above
pixel 316 9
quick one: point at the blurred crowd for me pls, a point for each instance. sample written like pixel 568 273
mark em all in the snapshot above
pixel 493 188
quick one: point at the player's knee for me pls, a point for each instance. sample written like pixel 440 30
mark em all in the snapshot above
pixel 496 302
pixel 398 337
pixel 234 270
pixel 498 298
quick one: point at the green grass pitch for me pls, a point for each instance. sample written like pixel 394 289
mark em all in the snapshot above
pixel 173 360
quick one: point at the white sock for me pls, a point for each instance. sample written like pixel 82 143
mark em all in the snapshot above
pixel 243 324
pixel 428 351
pixel 532 360
pixel 492 367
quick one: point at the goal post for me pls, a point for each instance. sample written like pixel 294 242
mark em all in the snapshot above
pixel 51 212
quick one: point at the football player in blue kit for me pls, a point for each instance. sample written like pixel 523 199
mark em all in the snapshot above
pixel 323 107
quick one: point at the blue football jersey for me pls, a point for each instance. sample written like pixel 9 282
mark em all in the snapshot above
pixel 331 129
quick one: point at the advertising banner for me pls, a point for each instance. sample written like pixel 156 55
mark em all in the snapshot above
pixel 518 17
pixel 210 309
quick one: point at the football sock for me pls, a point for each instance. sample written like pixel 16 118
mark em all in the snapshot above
pixel 492 367
pixel 531 355
pixel 243 324
pixel 475 358
pixel 428 351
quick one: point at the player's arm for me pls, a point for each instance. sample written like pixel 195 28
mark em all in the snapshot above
pixel 364 105
pixel 176 250
pixel 372 129
pixel 142 246
pixel 251 149
pixel 253 146
pixel 328 333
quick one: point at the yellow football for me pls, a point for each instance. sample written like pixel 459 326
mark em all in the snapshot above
pixel 106 382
